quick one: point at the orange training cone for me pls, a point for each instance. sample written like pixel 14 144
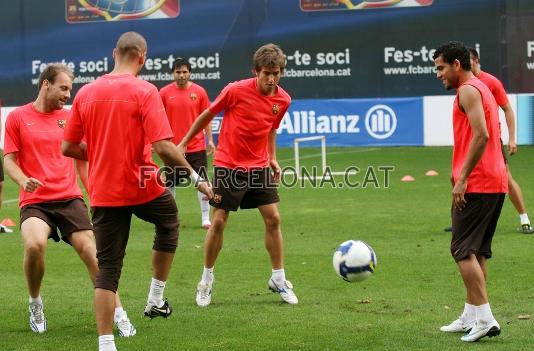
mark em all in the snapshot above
pixel 8 222
pixel 407 178
pixel 431 173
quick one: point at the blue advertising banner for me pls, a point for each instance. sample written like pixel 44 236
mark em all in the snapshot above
pixel 525 119
pixel 352 122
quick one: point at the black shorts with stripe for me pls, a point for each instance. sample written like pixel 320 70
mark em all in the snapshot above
pixel 236 188
pixel 474 226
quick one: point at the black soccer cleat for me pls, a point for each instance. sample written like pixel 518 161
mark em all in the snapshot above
pixel 152 311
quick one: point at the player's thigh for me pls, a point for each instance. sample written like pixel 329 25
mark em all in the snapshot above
pixel 161 211
pixel 35 231
pixel 270 214
pixel 83 241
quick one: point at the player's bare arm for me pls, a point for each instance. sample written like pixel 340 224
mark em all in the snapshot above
pixel 510 123
pixel 14 172
pixel 471 102
pixel 77 151
pixel 82 169
pixel 200 123
pixel 172 157
pixel 271 148
pixel 210 147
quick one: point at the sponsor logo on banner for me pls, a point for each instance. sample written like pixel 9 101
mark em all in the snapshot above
pixel 83 11
pixel 347 122
pixel 380 121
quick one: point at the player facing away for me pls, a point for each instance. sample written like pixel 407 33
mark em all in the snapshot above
pixel 184 100
pixel 49 197
pixel 515 194
pixel 253 109
pixel 479 186
pixel 118 114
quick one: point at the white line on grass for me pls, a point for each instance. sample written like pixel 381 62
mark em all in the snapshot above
pixel 332 153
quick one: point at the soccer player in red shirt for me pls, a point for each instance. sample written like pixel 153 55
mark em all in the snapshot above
pixel 497 89
pixel 479 185
pixel 253 109
pixel 50 198
pixel 184 101
pixel 118 114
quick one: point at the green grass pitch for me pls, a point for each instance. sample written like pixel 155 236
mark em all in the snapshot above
pixel 415 289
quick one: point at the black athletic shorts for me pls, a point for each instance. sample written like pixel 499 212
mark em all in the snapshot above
pixel 68 216
pixel 474 226
pixel 112 231
pixel 234 188
pixel 198 161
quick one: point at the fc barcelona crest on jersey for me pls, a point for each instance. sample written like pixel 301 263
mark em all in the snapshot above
pixel 276 109
pixel 61 123
pixel 193 96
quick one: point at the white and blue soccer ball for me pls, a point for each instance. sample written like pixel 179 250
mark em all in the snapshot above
pixel 354 261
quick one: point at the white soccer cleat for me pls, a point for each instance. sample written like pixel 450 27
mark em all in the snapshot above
pixel 206 224
pixel 4 229
pixel 37 318
pixel 458 326
pixel 285 290
pixel 482 329
pixel 204 293
pixel 125 327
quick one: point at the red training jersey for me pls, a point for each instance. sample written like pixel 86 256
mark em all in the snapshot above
pixel 36 139
pixel 118 115
pixel 495 86
pixel 249 117
pixel 489 174
pixel 183 106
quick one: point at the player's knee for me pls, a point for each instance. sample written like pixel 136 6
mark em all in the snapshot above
pixel 108 277
pixel 35 248
pixel 218 223
pixel 272 221
pixel 166 240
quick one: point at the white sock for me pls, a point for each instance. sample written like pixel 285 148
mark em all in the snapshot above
pixel 172 190
pixel 469 313
pixel 37 300
pixel 204 207
pixel 523 217
pixel 106 343
pixel 483 313
pixel 155 296
pixel 207 275
pixel 279 276
pixel 119 314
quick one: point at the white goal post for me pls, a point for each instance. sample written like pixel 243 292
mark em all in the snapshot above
pixel 296 144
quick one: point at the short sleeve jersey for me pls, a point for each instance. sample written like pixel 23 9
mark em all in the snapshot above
pixel 183 106
pixel 495 86
pixel 36 139
pixel 248 119
pixel 489 174
pixel 118 115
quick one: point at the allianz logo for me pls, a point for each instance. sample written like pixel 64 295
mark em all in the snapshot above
pixel 380 122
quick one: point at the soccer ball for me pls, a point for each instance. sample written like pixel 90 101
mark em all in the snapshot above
pixel 354 261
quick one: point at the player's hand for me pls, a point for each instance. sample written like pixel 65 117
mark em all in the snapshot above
pixel 277 171
pixel 458 192
pixel 205 188
pixel 512 147
pixel 30 184
pixel 182 148
pixel 210 148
